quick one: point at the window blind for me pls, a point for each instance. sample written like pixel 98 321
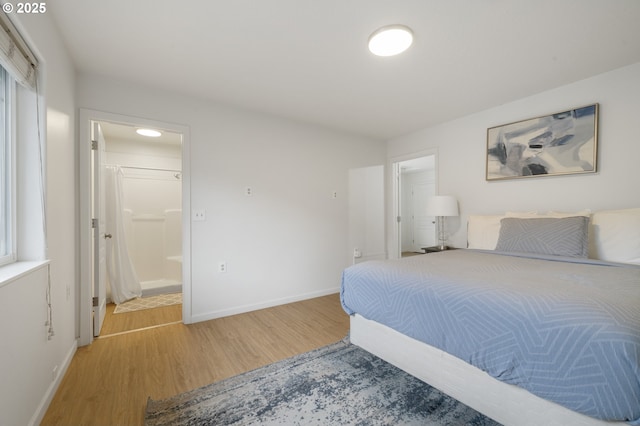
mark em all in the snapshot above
pixel 15 55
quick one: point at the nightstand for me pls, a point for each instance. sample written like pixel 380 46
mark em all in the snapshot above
pixel 436 249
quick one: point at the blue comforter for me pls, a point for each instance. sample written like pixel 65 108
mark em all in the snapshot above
pixel 566 330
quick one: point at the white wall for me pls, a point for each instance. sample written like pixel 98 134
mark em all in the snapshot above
pixel 285 242
pixel 27 358
pixel 366 213
pixel 461 146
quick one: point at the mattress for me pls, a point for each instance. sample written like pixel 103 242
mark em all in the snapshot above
pixel 565 329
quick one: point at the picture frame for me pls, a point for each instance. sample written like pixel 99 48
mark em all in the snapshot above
pixel 562 143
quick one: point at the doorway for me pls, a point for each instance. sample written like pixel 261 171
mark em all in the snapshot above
pixel 154 176
pixel 414 182
pixel 150 171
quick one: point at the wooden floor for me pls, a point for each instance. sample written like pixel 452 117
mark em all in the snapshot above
pixel 410 253
pixel 109 381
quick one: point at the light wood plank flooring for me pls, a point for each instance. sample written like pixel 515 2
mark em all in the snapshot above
pixel 109 381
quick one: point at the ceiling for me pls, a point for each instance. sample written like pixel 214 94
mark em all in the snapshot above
pixel 113 131
pixel 307 60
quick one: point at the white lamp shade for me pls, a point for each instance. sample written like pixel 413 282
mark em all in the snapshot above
pixel 442 205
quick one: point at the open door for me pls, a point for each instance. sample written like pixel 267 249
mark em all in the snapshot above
pixel 99 246
pixel 423 228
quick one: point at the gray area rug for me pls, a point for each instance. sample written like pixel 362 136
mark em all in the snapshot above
pixel 339 384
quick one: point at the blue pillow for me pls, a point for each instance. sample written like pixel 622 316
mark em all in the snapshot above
pixel 567 236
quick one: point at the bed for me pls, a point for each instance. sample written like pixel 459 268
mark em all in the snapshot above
pixel 537 325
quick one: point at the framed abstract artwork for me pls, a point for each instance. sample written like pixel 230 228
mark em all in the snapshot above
pixel 557 144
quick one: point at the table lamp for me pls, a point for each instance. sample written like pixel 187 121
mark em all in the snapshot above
pixel 441 206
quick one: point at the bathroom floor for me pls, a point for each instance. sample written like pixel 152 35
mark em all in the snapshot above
pixel 129 321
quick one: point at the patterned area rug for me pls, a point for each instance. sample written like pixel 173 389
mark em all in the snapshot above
pixel 339 384
pixel 148 302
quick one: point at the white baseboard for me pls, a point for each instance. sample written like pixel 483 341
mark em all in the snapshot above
pixel 262 305
pixel 55 384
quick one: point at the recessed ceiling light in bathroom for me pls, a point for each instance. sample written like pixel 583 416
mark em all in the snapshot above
pixel 149 132
pixel 390 40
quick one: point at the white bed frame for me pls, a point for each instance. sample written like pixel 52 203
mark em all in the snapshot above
pixel 505 403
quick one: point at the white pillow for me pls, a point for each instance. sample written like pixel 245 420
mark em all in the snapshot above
pixel 616 235
pixel 522 215
pixel 483 232
pixel 536 215
pixel 585 212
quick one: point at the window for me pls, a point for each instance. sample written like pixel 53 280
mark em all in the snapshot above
pixel 22 197
pixel 7 170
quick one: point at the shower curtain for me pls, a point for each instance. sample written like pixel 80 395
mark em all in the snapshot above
pixel 124 281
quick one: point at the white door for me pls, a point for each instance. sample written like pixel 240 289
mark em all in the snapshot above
pixel 366 213
pixel 99 246
pixel 423 225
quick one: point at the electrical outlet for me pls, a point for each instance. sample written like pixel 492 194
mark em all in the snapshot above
pixel 222 267
pixel 248 191
pixel 199 215
pixel 334 194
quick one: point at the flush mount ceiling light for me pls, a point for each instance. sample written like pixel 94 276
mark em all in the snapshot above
pixel 149 132
pixel 390 40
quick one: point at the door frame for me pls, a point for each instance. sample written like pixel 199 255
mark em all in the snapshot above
pixel 99 243
pixel 395 249
pixel 85 319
